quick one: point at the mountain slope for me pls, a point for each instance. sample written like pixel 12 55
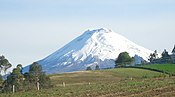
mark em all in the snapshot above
pixel 94 47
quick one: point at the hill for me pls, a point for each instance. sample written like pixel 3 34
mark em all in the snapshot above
pixel 106 83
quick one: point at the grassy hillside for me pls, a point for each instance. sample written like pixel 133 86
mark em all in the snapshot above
pixel 106 83
pixel 104 75
pixel 164 67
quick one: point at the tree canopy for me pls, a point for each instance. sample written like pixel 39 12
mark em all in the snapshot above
pixel 153 56
pixel 88 68
pixel 27 81
pixel 97 67
pixel 166 58
pixel 123 59
pixel 4 64
pixel 165 54
pixel 15 78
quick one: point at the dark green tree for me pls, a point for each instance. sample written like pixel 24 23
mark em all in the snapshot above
pixel 33 79
pixel 28 83
pixel 123 60
pixel 35 71
pixel 4 64
pixel 44 81
pixel 1 63
pixel 16 78
pixel 165 54
pixel 97 67
pixel 88 68
pixel 36 75
pixel 19 66
pixel 153 56
pixel 166 57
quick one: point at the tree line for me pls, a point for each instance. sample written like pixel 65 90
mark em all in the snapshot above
pixel 125 60
pixel 34 79
pixel 165 57
pixel 89 68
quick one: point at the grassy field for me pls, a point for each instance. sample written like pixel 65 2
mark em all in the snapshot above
pixel 164 67
pixel 106 83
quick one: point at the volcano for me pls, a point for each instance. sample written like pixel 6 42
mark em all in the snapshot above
pixel 94 47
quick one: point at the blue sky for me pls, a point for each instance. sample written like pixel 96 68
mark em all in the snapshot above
pixel 32 29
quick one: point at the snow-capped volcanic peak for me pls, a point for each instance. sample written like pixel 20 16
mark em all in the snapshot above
pixel 105 43
pixel 101 30
pixel 94 47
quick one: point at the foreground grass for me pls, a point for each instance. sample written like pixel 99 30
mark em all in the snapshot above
pixel 106 83
pixel 164 67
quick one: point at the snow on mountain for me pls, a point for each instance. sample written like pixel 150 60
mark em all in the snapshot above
pixel 94 47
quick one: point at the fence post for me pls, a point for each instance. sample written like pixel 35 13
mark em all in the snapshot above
pixel 38 86
pixel 13 88
pixel 64 85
